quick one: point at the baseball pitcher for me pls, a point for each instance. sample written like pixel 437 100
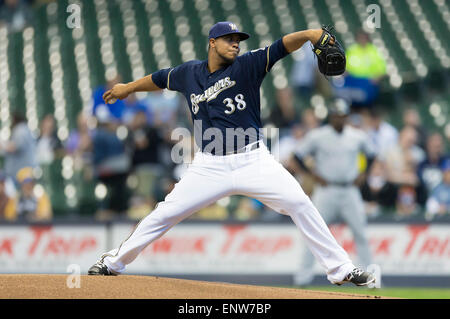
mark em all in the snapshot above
pixel 224 99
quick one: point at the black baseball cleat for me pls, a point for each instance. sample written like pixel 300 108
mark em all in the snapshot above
pixel 358 277
pixel 100 269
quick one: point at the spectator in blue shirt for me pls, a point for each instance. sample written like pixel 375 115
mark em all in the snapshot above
pixel 115 109
pixel 134 106
pixel 429 170
pixel 439 201
pixel 111 166
pixel 20 150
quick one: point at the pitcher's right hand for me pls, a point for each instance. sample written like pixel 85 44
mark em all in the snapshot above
pixel 119 91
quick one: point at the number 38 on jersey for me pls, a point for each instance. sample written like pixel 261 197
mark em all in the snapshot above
pixel 237 103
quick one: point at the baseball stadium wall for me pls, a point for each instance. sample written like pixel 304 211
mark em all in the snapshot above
pixel 404 254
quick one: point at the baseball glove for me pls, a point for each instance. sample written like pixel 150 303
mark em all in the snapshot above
pixel 331 57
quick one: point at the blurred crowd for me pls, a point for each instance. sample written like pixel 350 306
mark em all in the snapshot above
pixel 118 156
pixel 410 174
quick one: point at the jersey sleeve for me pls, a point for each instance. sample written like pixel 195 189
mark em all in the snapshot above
pixel 261 61
pixel 171 78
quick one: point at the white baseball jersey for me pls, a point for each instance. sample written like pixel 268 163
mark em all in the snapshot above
pixel 336 154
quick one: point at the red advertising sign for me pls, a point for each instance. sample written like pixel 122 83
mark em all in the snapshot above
pixel 49 248
pixel 398 249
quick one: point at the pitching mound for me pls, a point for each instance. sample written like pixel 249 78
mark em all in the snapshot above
pixel 148 287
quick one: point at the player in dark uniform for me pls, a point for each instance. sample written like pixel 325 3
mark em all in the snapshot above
pixel 224 100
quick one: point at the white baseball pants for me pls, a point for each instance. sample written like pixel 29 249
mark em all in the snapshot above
pixel 255 174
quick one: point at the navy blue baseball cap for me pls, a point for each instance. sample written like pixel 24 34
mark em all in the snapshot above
pixel 224 28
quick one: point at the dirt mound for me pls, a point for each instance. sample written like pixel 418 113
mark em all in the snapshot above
pixel 147 287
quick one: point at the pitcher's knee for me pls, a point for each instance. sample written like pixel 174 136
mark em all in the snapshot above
pixel 167 213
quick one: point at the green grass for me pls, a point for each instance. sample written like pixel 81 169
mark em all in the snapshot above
pixel 404 292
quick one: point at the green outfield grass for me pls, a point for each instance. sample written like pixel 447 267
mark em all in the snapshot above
pixel 403 292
